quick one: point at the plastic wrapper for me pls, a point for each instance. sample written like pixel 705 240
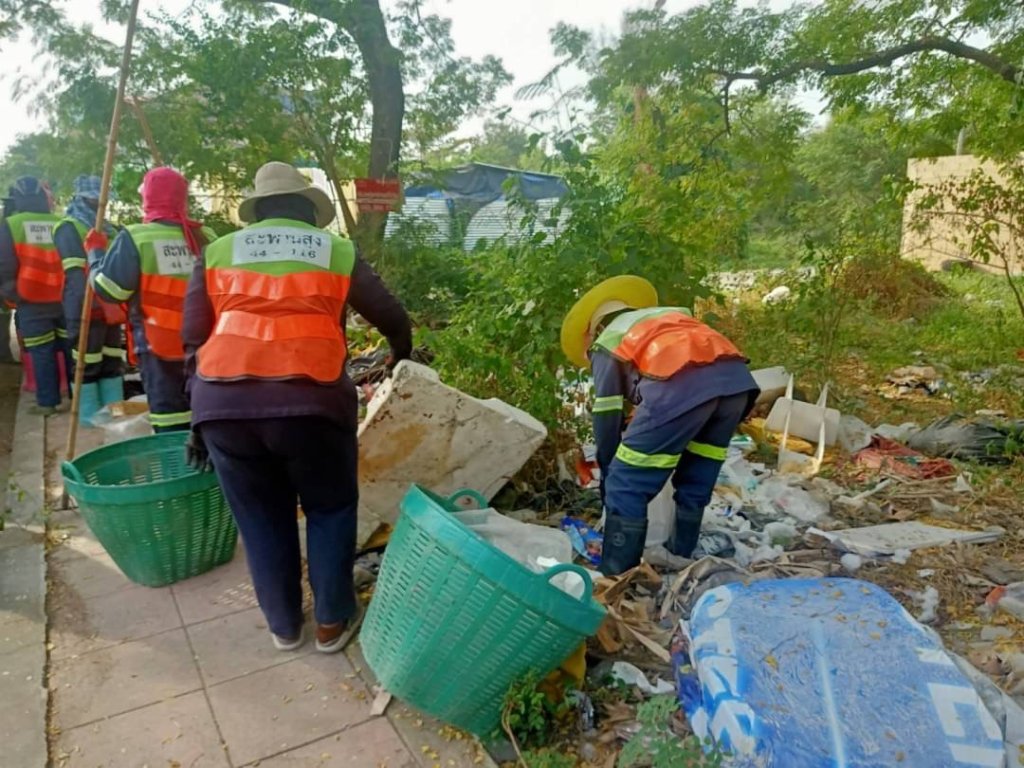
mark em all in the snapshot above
pixel 586 542
pixel 956 437
pixel 119 423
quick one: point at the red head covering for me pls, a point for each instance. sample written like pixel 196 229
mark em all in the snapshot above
pixel 165 198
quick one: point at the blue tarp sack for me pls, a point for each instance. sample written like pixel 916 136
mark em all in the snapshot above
pixel 827 673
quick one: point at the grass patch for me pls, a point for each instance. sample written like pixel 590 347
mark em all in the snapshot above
pixel 963 323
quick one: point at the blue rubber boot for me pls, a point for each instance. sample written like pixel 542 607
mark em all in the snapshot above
pixel 111 390
pixel 88 403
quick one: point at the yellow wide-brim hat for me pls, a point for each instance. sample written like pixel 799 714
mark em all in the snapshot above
pixel 614 294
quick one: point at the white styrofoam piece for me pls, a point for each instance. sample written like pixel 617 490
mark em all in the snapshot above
pixel 419 430
pixel 771 381
pixel 889 538
pixel 802 419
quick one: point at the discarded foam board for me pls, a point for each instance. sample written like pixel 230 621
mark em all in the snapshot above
pixel 888 538
pixel 419 430
pixel 772 383
pixel 804 420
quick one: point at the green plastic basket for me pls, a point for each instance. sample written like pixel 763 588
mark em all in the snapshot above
pixel 159 520
pixel 454 621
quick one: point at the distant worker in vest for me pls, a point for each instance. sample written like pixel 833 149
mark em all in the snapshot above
pixel 272 406
pixel 689 388
pixel 32 280
pixel 148 266
pixel 103 377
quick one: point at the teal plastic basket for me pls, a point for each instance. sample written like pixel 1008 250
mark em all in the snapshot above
pixel 454 621
pixel 159 520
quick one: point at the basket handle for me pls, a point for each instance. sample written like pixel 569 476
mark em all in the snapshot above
pixel 474 495
pixel 70 472
pixel 588 585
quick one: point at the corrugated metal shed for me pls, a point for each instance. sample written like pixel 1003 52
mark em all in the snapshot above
pixel 500 219
pixel 432 215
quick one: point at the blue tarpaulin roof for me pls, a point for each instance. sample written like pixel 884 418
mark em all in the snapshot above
pixel 481 183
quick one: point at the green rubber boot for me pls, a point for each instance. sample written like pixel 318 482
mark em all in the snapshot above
pixel 88 403
pixel 111 390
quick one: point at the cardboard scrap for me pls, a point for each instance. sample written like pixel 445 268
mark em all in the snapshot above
pixel 629 626
pixel 888 538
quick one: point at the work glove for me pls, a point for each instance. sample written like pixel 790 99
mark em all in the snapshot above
pixel 96 241
pixel 196 455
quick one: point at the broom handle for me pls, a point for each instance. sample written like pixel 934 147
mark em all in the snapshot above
pixel 101 210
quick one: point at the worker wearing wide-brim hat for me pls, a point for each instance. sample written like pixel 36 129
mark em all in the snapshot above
pixel 271 402
pixel 690 387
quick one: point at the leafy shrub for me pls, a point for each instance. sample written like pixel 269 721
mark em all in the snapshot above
pixel 657 745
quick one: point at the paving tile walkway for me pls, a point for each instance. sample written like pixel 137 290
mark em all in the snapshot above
pixel 23 697
pixel 186 676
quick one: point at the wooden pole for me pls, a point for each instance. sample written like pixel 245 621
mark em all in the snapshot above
pixel 101 211
pixel 147 132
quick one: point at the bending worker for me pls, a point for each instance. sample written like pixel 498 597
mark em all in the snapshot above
pixel 148 266
pixel 32 279
pixel 690 388
pixel 103 377
pixel 271 402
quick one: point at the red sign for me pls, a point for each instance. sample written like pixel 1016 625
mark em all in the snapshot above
pixel 378 195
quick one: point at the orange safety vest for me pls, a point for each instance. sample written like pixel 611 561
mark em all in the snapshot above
pixel 40 272
pixel 661 341
pixel 165 268
pixel 278 290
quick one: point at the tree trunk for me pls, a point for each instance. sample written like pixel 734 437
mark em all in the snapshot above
pixel 364 22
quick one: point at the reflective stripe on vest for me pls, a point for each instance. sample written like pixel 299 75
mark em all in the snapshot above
pixel 661 341
pixel 165 268
pixel 40 272
pixel 278 290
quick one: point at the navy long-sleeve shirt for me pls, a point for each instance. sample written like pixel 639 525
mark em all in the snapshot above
pixel 261 398
pixel 8 265
pixel 73 258
pixel 617 383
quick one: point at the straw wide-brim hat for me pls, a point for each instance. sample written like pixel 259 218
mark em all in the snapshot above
pixel 614 294
pixel 282 179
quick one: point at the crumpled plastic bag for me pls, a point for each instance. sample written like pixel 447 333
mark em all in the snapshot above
pixel 535 547
pixel 958 437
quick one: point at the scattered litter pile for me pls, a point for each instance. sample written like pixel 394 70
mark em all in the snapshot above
pixel 834 559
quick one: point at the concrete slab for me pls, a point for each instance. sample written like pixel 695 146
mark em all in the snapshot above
pixel 23 707
pixel 82 625
pixel 222 591
pixel 419 430
pixel 288 706
pixel 123 678
pixel 89 577
pixel 72 537
pixel 237 645
pixel 371 745
pixel 178 732
pixel 18 632
pixel 431 742
pixel 23 581
pixel 25 491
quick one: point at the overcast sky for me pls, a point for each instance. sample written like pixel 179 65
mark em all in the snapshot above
pixel 516 31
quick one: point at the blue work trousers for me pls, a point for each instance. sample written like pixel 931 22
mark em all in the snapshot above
pixel 104 355
pixel 45 337
pixel 265 467
pixel 164 382
pixel 689 448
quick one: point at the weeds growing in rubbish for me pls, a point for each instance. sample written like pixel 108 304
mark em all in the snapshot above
pixel 658 746
pixel 529 716
pixel 546 758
